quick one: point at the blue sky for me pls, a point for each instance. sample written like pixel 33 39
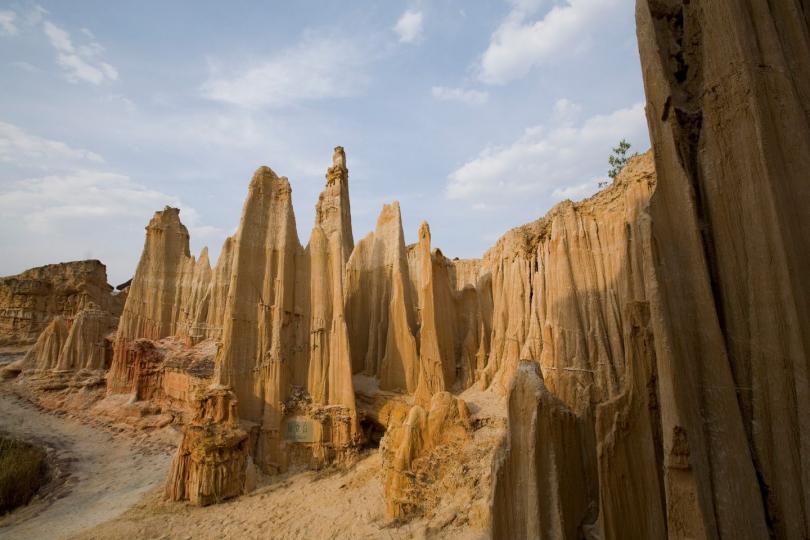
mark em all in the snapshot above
pixel 476 116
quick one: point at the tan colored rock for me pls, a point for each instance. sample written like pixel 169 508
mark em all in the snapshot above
pixel 30 300
pixel 167 284
pixel 209 313
pixel 541 486
pixel 629 443
pixel 380 310
pixel 45 352
pixel 212 461
pixel 436 368
pixel 728 88
pixel 329 379
pixel 558 300
pixel 447 422
pixel 265 313
pixel 87 346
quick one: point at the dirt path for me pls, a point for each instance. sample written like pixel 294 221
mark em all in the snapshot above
pixel 307 505
pixel 106 475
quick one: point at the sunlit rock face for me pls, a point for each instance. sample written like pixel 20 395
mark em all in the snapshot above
pixel 31 300
pixel 166 292
pixel 728 88
pixel 212 461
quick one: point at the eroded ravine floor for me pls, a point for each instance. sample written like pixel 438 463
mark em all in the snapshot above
pixel 106 474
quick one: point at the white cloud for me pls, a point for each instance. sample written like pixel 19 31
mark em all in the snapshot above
pixel 470 97
pixel 316 68
pixel 83 214
pixel 565 111
pixel 74 207
pixel 547 161
pixel 36 15
pixel 21 148
pixel 82 63
pixel 84 195
pixel 409 26
pixel 7 23
pixel 518 44
pixel 577 192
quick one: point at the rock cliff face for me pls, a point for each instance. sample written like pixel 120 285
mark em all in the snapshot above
pixel 569 305
pixel 31 300
pixel 728 106
pixel 83 342
pixel 166 291
pixel 212 460
pixel 546 441
pixel 380 307
pixel 674 328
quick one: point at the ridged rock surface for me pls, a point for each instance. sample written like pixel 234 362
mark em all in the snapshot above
pixel 31 300
pixel 168 285
pixel 265 312
pixel 445 422
pixel 212 460
pixel 545 441
pixel 382 318
pixel 570 305
pixel 728 107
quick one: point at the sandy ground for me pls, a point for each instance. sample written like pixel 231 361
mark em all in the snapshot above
pixel 115 485
pixel 105 475
pixel 331 504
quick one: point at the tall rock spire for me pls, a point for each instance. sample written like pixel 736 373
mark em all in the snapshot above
pixel 380 307
pixel 262 325
pixel 431 361
pixel 330 371
pixel 164 289
pixel 333 212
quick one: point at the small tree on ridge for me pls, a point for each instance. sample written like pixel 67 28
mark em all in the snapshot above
pixel 618 159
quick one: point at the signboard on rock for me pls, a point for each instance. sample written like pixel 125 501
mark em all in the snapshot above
pixel 300 429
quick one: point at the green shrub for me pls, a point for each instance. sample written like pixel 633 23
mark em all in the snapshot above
pixel 23 470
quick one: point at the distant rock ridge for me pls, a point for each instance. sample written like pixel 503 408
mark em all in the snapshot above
pixel 31 300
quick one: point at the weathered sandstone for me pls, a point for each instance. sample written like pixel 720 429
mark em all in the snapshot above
pixel 31 300
pixel 212 460
pixel 728 107
pixel 546 441
pixel 446 422
pixel 167 286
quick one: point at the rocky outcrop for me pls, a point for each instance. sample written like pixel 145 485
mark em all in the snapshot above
pixel 445 423
pixel 382 318
pixel 167 286
pixel 559 286
pixel 45 352
pixel 330 369
pixel 31 300
pixel 209 312
pixel 88 344
pixel 263 345
pixel 728 94
pixel 437 369
pixel 545 441
pixel 569 305
pixel 212 462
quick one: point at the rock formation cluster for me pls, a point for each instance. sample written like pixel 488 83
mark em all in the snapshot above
pixel 212 461
pixel 31 300
pixel 647 347
pixel 67 312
